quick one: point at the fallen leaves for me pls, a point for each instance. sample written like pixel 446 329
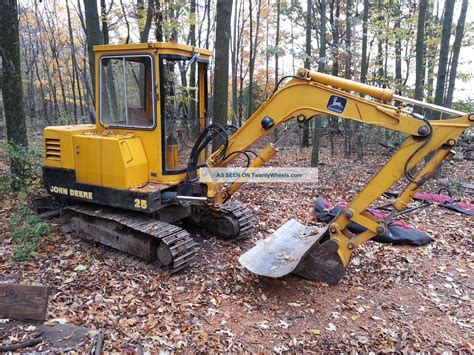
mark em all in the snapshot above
pixel 391 299
pixel 314 331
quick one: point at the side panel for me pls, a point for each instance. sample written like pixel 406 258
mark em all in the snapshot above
pixel 88 159
pixel 58 145
pixel 124 164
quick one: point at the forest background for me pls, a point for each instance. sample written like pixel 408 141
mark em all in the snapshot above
pixel 422 49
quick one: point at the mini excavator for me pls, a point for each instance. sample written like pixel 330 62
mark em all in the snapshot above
pixel 127 180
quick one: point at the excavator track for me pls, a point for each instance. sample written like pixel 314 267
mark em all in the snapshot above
pixel 231 221
pixel 246 219
pixel 139 235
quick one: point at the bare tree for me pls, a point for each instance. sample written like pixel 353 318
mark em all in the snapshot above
pixel 93 34
pixel 456 51
pixel 420 51
pixel 347 74
pixel 253 55
pixel 321 68
pixel 365 28
pixel 145 17
pixel 307 62
pixel 158 21
pixel 221 74
pixel 398 46
pixel 11 82
pixel 444 54
pixel 236 42
pixel 277 38
pixel 74 62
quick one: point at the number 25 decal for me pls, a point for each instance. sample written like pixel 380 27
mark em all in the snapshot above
pixel 140 204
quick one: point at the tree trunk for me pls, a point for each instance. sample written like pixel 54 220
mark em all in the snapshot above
pixel 334 18
pixel 208 13
pixel 398 48
pixel 444 54
pixel 104 22
pixel 347 74
pixel 307 62
pixel 73 57
pixel 431 52
pixel 127 24
pixel 94 36
pixel 321 68
pixel 277 54
pixel 267 54
pixel 11 84
pixel 365 27
pixel 379 59
pixel 145 17
pixel 234 61
pixel 277 39
pixel 192 80
pixel 420 52
pixel 158 21
pixel 33 52
pixel 221 71
pixel 456 51
pixel 253 56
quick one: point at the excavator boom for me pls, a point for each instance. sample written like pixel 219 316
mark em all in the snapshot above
pixel 323 256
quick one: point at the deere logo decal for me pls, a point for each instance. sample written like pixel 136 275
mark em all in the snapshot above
pixel 336 104
pixel 71 192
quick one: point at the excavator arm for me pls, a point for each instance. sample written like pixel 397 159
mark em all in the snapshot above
pixel 326 253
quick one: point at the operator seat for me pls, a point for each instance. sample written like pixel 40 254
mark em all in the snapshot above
pixel 138 117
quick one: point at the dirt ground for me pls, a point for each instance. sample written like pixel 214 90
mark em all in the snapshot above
pixel 393 298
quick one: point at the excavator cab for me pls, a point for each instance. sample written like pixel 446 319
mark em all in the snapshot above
pixel 163 89
pixel 151 104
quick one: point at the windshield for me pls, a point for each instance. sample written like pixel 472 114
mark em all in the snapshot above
pixel 126 95
pixel 180 99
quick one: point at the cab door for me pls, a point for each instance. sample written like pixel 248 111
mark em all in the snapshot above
pixel 183 93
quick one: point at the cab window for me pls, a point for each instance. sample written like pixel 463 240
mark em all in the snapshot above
pixel 126 91
pixel 181 96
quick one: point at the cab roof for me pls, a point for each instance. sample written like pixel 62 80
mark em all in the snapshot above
pixel 162 47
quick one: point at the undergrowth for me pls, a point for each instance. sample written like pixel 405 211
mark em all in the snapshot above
pixel 26 230
pixel 27 178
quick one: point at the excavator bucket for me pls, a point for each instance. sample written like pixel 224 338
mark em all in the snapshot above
pixel 299 249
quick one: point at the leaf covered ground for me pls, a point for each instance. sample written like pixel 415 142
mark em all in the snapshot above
pixel 393 298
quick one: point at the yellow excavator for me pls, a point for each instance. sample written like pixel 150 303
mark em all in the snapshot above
pixel 131 180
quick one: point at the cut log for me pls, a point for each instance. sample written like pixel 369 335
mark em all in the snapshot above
pixel 23 302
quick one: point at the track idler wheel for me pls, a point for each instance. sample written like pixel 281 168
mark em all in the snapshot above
pixel 164 255
pixel 231 221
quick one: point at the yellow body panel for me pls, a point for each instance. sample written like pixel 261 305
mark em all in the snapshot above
pixel 58 147
pixel 124 164
pixel 87 158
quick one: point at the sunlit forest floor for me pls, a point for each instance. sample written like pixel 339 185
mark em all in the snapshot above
pixel 393 298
